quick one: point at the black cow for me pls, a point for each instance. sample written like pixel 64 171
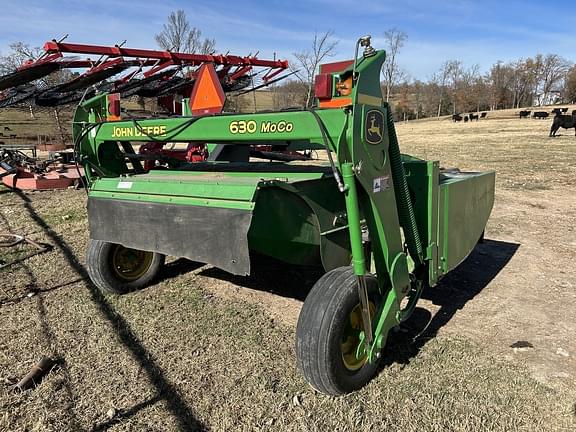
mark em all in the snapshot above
pixel 524 114
pixel 465 118
pixel 556 111
pixel 564 121
pixel 540 115
pixel 456 117
pixel 564 110
pixel 483 115
pixel 6 128
pixel 473 116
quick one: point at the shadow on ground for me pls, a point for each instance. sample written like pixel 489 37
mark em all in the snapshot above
pixel 182 413
pixel 452 293
pixel 273 276
pixel 178 267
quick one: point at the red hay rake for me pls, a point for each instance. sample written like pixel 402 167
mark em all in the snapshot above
pixel 122 72
pixel 147 73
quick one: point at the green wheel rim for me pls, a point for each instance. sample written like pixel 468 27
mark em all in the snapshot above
pixel 351 338
pixel 130 264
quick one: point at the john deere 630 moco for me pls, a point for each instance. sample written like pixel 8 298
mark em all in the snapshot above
pixel 381 224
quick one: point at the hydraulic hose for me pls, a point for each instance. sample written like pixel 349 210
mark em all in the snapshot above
pixel 405 208
pixel 326 138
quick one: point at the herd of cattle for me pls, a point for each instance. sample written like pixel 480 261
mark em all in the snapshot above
pixel 542 114
pixel 561 119
pixel 468 117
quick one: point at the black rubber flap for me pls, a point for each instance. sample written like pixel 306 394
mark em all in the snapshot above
pixel 212 235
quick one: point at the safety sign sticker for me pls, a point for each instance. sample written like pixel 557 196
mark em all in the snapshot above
pixel 380 184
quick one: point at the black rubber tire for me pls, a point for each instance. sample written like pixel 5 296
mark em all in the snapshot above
pixel 320 329
pixel 99 266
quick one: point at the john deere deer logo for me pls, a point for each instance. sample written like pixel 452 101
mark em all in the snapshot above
pixel 374 127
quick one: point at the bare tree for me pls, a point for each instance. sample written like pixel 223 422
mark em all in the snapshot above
pixel 465 86
pixel 394 40
pixel 531 73
pixel 570 86
pixel 290 94
pixel 523 78
pixel 441 79
pixel 179 36
pixel 19 54
pixel 418 96
pixel 499 80
pixel 553 69
pixel 455 71
pixel 481 93
pixel 403 108
pixel 307 62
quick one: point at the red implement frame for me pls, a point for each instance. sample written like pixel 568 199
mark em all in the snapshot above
pixel 167 58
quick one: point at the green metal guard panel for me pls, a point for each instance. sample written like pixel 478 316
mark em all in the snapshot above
pixel 283 214
pixel 235 190
pixel 465 203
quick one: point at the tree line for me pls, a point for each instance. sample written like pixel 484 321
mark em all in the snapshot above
pixel 453 88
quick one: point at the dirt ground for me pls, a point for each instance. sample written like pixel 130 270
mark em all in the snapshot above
pixel 490 348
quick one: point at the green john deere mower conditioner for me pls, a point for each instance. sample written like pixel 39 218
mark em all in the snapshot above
pixel 382 225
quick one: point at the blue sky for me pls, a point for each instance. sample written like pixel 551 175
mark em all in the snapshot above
pixel 475 32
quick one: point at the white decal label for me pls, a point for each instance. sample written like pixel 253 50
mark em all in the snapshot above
pixel 124 185
pixel 380 183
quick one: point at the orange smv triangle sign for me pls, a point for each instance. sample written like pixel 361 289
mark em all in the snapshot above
pixel 207 94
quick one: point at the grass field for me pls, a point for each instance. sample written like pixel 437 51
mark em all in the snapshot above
pixel 203 350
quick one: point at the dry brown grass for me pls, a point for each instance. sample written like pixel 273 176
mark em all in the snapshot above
pixel 195 352
pixel 519 150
